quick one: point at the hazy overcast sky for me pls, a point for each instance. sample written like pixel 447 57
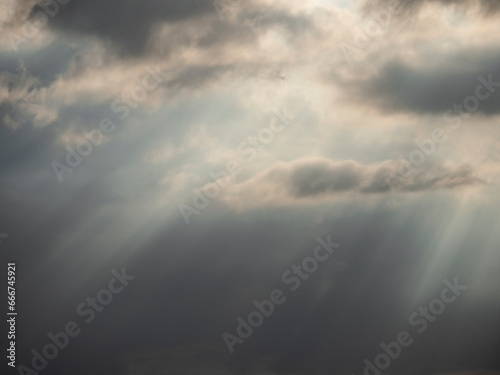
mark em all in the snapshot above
pixel 207 147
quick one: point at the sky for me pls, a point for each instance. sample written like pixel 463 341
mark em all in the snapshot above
pixel 256 187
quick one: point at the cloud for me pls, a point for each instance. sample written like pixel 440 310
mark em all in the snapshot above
pixel 125 23
pixel 130 25
pixel 429 88
pixel 409 7
pixel 317 179
pixel 224 79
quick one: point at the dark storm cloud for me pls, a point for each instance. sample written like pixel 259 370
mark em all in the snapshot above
pixel 128 25
pixel 436 88
pixel 125 23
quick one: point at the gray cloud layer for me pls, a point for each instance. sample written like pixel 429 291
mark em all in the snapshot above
pixel 126 23
pixel 451 79
pixel 319 178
